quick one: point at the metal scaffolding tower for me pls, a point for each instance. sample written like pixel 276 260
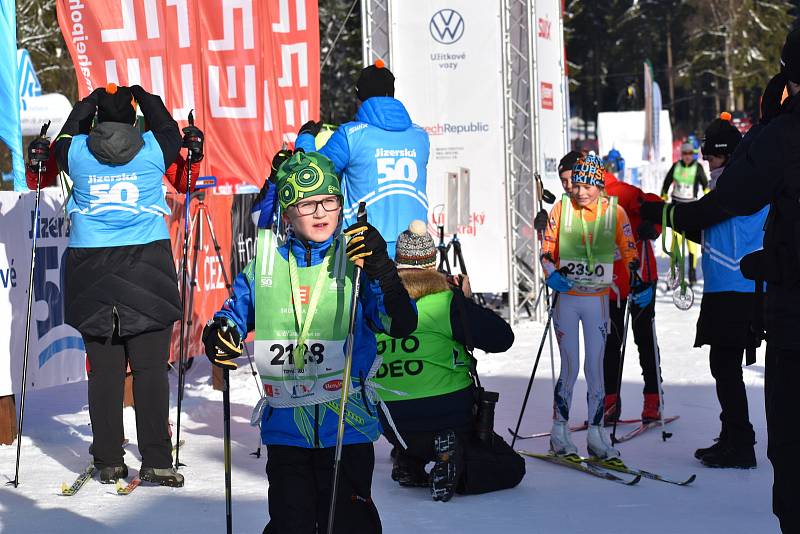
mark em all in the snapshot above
pixel 520 129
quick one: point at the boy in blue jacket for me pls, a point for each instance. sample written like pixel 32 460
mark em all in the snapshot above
pixel 295 295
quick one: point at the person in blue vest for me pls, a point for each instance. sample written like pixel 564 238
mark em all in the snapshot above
pixel 121 289
pixel 382 156
pixel 727 311
pixel 297 294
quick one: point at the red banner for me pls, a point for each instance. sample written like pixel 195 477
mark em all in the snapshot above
pixel 209 291
pixel 249 68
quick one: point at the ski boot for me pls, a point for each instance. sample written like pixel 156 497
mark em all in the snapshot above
pixel 167 476
pixel 409 473
pixel 728 455
pixel 599 444
pixel 111 473
pixel 560 441
pixel 444 473
pixel 612 409
pixel 651 411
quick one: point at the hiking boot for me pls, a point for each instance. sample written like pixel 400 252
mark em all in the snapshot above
pixel 408 472
pixel 111 473
pixel 163 477
pixel 444 474
pixel 728 455
pixel 699 453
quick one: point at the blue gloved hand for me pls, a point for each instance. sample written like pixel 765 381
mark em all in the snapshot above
pixel 558 282
pixel 642 295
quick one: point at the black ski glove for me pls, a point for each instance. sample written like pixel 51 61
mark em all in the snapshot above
pixel 652 211
pixel 771 99
pixel 367 244
pixel 277 160
pixel 540 222
pixel 222 343
pixel 38 153
pixel 311 127
pixel 647 231
pixel 193 139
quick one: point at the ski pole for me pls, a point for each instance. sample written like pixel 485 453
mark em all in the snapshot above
pixel 656 354
pixel 184 267
pixel 226 429
pixel 535 365
pixel 550 342
pixel 348 367
pixel 34 233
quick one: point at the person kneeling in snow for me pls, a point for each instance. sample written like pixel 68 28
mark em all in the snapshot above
pixel 427 380
pixel 297 294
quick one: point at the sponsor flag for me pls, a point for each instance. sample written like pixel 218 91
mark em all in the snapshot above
pixel 249 69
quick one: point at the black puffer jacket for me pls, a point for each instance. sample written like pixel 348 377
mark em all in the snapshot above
pixel 134 286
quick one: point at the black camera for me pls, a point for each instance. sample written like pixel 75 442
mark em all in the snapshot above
pixel 484 416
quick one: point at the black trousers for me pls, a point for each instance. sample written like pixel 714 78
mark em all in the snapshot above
pixel 726 368
pixel 780 389
pixel 300 490
pixel 641 324
pixel 147 354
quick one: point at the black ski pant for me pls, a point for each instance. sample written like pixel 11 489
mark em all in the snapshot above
pixel 147 354
pixel 300 490
pixel 726 368
pixel 641 323
pixel 783 432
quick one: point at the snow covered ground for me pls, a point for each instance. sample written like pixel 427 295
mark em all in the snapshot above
pixel 550 499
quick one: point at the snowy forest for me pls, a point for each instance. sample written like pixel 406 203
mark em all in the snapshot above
pixel 708 55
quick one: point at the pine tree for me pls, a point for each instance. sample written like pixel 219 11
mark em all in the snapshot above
pixel 340 43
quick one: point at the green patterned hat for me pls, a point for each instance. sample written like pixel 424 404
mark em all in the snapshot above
pixel 304 175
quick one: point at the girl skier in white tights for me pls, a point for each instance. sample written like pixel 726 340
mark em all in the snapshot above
pixel 585 232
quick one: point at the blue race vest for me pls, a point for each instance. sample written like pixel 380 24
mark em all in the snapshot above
pixel 724 245
pixel 117 205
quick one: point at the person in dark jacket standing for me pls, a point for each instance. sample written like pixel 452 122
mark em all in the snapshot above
pixel 727 309
pixel 426 381
pixel 382 156
pixel 121 290
pixel 764 171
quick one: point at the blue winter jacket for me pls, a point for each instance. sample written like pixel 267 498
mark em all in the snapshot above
pixel 724 245
pixel 316 425
pixel 382 158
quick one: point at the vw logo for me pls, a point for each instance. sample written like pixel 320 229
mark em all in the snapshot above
pixel 447 26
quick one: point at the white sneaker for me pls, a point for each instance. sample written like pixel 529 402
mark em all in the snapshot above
pixel 560 442
pixel 599 443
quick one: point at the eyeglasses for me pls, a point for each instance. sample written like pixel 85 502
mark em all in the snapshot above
pixel 308 207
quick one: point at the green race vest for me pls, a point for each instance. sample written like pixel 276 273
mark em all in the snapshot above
pixel 683 181
pixel 427 363
pixel 277 331
pixel 589 260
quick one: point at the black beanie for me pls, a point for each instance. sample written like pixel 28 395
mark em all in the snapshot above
pixel 568 161
pixel 375 80
pixel 790 56
pixel 721 137
pixel 116 105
